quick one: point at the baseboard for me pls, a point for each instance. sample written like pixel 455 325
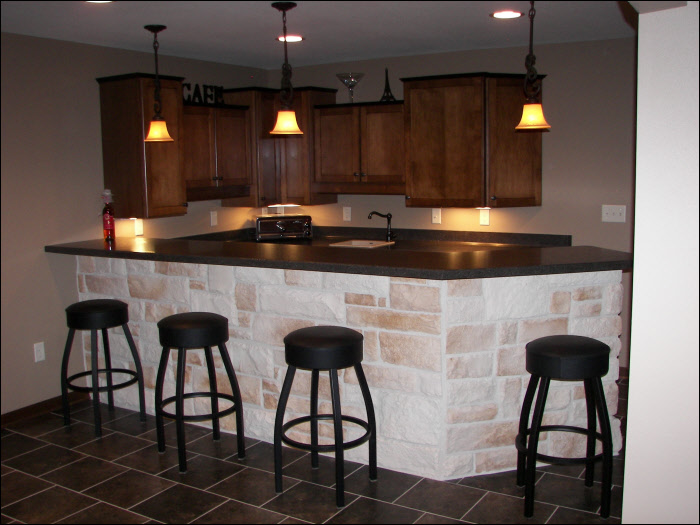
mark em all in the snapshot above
pixel 42 407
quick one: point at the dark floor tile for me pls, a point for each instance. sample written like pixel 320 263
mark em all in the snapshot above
pixel 83 473
pixel 442 498
pixel 37 425
pixel 618 471
pixel 17 485
pixel 5 470
pixel 15 444
pixel 499 508
pixel 151 461
pixel 178 504
pixel 104 513
pixel 202 472
pixel 389 485
pixel 48 506
pixel 307 502
pixel 429 519
pixel 565 516
pixel 237 512
pixel 261 456
pixel 132 424
pixel 226 447
pixel 250 485
pixel 129 488
pixel 43 460
pixel 323 475
pixel 365 510
pixel 567 492
pixel 502 483
pixel 113 446
pixel 107 414
pixel 74 435
pixel 192 432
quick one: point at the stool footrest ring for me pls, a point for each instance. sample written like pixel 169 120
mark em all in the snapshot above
pixel 325 448
pixel 199 417
pixel 520 444
pixel 105 388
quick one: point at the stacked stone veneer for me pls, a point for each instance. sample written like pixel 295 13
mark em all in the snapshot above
pixel 445 360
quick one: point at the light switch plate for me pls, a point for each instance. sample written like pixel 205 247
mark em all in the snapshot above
pixel 484 217
pixel 347 213
pixel 614 213
pixel 437 216
pixel 214 218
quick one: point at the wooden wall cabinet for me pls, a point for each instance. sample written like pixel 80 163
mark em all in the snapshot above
pixel 145 178
pixel 462 149
pixel 216 152
pixel 360 149
pixel 282 165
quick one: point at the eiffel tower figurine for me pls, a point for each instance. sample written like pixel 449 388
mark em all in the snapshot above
pixel 387 96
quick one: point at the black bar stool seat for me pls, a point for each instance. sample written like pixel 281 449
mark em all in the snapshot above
pixel 93 315
pixel 184 332
pixel 565 358
pixel 325 348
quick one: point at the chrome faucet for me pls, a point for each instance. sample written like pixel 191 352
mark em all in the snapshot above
pixel 390 236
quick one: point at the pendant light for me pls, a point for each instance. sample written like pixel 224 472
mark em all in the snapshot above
pixel 286 117
pixel 533 117
pixel 158 132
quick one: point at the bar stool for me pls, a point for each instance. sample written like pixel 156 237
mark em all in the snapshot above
pixel 93 315
pixel 184 332
pixel 565 358
pixel 325 348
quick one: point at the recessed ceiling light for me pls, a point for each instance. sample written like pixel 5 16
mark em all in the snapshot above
pixel 504 15
pixel 291 38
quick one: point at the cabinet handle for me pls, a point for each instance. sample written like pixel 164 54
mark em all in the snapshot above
pixel 356 174
pixel 363 175
pixel 217 178
pixel 493 197
pixel 408 197
pixel 185 204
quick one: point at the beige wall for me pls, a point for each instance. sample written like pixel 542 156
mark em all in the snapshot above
pixel 52 168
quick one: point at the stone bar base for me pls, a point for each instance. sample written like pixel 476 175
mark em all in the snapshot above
pixel 445 360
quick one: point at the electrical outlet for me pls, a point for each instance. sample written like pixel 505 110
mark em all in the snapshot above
pixel 614 213
pixel 437 216
pixel 214 218
pixel 484 217
pixel 39 352
pixel 347 216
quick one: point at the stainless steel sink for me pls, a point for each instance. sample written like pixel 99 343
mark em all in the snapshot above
pixel 361 243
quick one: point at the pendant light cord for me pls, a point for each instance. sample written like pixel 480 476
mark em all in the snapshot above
pixel 287 92
pixel 532 86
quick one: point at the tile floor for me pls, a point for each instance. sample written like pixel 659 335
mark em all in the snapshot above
pixel 52 474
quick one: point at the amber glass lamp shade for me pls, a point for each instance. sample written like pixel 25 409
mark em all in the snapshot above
pixel 158 131
pixel 286 124
pixel 533 118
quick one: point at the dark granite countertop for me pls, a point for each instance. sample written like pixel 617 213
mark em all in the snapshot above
pixel 454 255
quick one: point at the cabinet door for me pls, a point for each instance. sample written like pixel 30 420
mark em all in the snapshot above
pixel 199 158
pixel 382 146
pixel 232 156
pixel 337 145
pixel 514 158
pixel 444 126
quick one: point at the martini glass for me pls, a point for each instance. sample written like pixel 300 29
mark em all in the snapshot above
pixel 350 80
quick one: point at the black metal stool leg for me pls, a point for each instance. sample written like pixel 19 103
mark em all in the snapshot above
pixel 279 420
pixel 139 371
pixel 95 383
pixel 180 408
pixel 314 419
pixel 213 393
pixel 160 379
pixel 236 391
pixel 591 439
pixel 108 369
pixel 338 433
pixel 533 438
pixel 606 432
pixel 371 421
pixel 64 377
pixel 522 436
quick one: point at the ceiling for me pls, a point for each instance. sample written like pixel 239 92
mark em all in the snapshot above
pixel 243 33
